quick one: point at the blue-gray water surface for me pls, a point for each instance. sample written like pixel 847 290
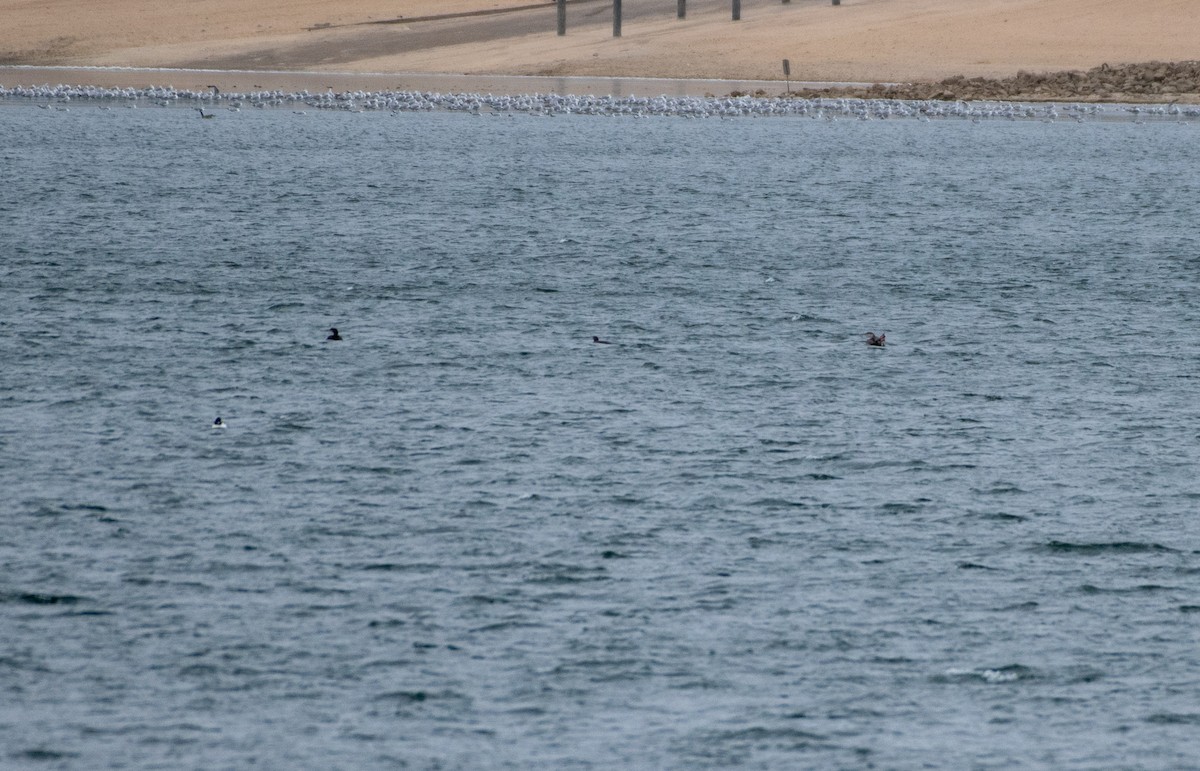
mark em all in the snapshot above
pixel 466 536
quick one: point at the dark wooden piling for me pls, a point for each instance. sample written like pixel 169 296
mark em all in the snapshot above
pixel 616 18
pixel 562 17
pixel 681 9
pixel 737 10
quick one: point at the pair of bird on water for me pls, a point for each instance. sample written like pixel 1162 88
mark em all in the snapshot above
pixel 333 335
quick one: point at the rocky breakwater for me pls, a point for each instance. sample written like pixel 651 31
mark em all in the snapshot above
pixel 1148 82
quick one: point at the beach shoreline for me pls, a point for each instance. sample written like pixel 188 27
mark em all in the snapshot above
pixel 935 48
pixel 246 81
pixel 1121 88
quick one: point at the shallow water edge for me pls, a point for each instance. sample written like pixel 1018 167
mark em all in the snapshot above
pixel 244 80
pixel 736 104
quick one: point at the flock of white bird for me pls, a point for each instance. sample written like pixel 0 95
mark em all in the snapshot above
pixel 61 97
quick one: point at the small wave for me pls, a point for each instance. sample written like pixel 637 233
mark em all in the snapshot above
pixel 42 754
pixel 991 676
pixel 778 503
pixel 46 509
pixel 1140 588
pixel 84 507
pixel 1174 718
pixel 985 397
pixel 386 623
pixel 416 697
pixel 1004 516
pixel 566 574
pixel 1114 547
pixel 22 664
pixel 760 734
pixel 397 567
pixel 290 426
pixel 36 598
pixel 1002 489
pixel 482 599
pixel 502 626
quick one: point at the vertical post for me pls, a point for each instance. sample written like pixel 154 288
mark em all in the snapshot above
pixel 681 10
pixel 737 10
pixel 562 17
pixel 616 18
pixel 837 2
pixel 787 72
pixel 785 2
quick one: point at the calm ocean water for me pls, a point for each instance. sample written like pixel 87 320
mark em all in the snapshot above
pixel 466 536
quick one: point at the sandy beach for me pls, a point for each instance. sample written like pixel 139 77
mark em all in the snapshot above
pixel 387 43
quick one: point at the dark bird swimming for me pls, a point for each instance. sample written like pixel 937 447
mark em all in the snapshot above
pixel 598 340
pixel 333 334
pixel 875 341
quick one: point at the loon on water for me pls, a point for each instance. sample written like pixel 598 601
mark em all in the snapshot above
pixel 218 423
pixel 598 340
pixel 334 334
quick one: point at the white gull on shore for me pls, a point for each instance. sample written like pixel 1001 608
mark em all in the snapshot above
pixel 549 105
